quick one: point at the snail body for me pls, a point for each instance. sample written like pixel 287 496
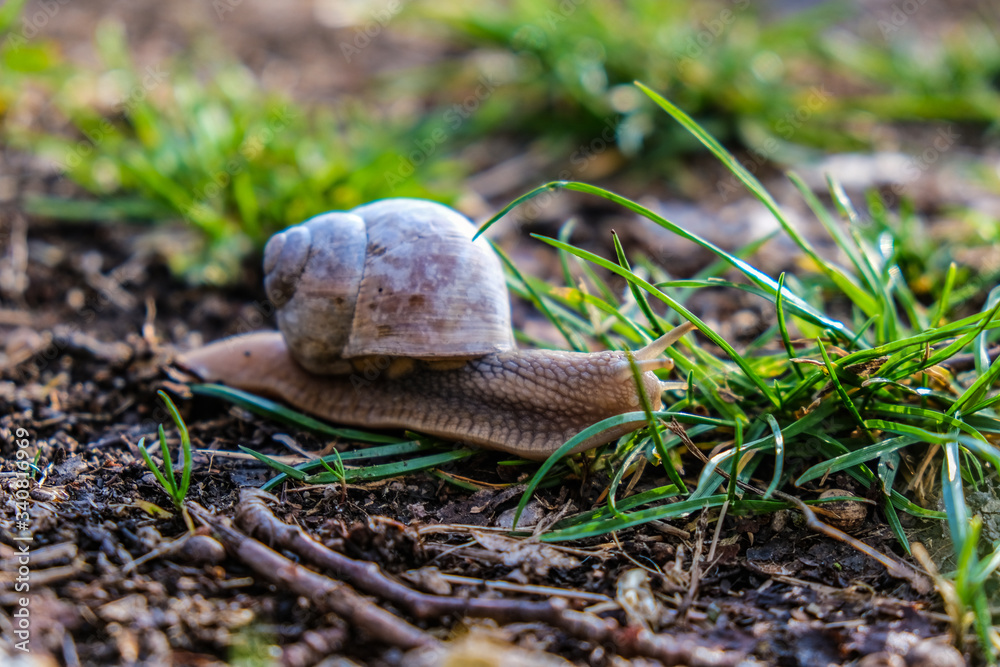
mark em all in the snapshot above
pixel 391 316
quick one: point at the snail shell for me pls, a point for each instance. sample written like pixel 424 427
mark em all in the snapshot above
pixel 349 285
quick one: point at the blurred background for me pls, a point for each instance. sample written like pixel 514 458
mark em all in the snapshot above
pixel 203 127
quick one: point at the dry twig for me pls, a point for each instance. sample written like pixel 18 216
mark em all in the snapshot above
pixel 325 593
pixel 256 518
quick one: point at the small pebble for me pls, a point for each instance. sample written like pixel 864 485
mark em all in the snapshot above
pixel 532 514
pixel 203 550
pixel 882 659
pixel 934 653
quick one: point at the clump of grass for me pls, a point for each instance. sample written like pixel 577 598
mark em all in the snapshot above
pixel 870 395
pixel 176 490
pixel 752 74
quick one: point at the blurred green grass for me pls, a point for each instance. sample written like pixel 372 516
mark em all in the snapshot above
pixel 820 77
pixel 210 146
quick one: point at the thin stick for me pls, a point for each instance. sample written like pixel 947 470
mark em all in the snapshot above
pixel 529 589
pixel 254 516
pixel 718 530
pixel 325 593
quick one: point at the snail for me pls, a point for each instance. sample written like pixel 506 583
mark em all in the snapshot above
pixel 392 316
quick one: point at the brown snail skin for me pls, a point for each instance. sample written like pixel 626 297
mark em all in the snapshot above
pixel 392 317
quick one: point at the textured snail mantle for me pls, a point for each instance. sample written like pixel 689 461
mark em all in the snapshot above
pixel 399 287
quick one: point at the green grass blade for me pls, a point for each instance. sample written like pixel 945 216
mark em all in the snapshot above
pixel 936 417
pixel 709 477
pixel 337 467
pixel 654 429
pixel 857 457
pixel 185 443
pixel 888 466
pixel 897 527
pixel 835 379
pixel 983 450
pixel 734 471
pixel 980 347
pixel 564 235
pixel 982 405
pixel 986 568
pixel 942 302
pixel 601 513
pixel 861 256
pixel 595 429
pixel 954 498
pixel 152 466
pixel 977 389
pixel 890 371
pixel 394 469
pixel 685 313
pixel 272 410
pixel 985 628
pixel 971 324
pixel 738 170
pixel 384 451
pixel 800 306
pixel 354 475
pixel 637 294
pixel 783 327
pixel 557 455
pixel 779 454
pixel 616 479
pixel 633 519
pixel 844 281
pixel 368 453
pixel 540 303
pixel 283 468
pixel 168 464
